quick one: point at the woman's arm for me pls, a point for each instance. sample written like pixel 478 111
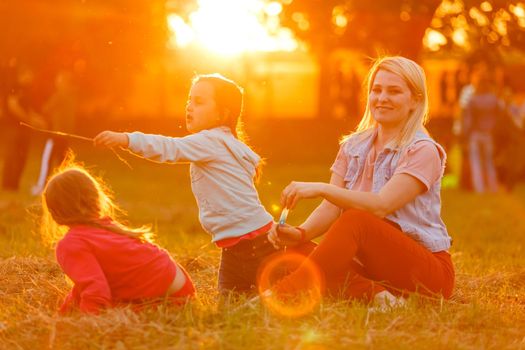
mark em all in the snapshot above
pixel 315 225
pixel 325 214
pixel 398 191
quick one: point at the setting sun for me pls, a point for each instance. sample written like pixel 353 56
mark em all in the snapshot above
pixel 233 26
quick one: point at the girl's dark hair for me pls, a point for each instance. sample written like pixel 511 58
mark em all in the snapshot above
pixel 229 98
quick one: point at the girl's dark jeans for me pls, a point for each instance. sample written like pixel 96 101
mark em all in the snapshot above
pixel 240 263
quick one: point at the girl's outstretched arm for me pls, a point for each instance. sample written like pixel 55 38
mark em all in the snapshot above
pixel 198 147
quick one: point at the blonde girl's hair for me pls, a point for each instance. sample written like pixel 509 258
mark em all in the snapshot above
pixel 229 97
pixel 73 196
pixel 414 76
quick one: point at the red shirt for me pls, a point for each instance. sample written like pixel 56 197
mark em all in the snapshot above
pixel 230 242
pixel 108 268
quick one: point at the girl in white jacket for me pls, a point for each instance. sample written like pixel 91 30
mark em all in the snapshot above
pixel 222 169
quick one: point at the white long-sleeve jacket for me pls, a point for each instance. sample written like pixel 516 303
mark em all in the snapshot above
pixel 222 170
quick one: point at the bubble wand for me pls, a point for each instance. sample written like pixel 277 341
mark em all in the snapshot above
pixel 284 215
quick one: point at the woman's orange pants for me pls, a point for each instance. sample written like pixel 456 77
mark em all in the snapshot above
pixel 361 255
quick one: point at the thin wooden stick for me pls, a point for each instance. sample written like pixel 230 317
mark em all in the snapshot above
pixel 59 133
pixel 78 137
pixel 120 158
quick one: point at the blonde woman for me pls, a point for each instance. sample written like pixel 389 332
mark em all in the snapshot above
pixel 380 214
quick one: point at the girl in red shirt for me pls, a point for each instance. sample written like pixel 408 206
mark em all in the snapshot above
pixel 109 263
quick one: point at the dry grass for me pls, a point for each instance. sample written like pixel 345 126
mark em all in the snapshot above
pixel 487 310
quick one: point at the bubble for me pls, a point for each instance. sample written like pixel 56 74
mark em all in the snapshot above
pixel 290 304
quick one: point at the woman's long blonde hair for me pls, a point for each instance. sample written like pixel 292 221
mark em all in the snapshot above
pixel 415 78
pixel 73 196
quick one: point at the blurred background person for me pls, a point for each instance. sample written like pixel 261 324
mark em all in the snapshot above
pixel 510 140
pixel 481 116
pixel 441 124
pixel 19 107
pixel 60 111
pixel 464 98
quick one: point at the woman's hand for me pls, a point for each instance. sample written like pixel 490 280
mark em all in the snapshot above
pixel 297 190
pixel 284 236
pixel 111 139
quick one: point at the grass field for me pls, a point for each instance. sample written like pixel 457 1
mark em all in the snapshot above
pixel 487 310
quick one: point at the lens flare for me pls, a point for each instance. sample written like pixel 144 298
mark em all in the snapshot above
pixel 299 304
